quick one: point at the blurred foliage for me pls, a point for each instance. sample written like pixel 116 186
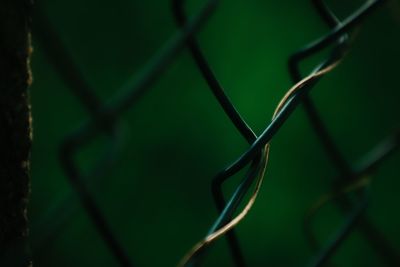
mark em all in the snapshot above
pixel 157 196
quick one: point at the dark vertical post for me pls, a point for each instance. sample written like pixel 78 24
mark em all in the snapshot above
pixel 15 130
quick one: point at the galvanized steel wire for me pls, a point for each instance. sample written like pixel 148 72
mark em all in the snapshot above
pixel 105 117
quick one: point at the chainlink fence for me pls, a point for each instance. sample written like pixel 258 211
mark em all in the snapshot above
pixel 350 189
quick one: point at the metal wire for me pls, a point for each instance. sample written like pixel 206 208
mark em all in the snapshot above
pixel 374 237
pixel 105 117
pixel 364 167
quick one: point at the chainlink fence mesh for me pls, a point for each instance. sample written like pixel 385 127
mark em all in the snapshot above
pixel 105 124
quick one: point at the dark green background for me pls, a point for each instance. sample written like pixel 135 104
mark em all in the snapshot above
pixel 157 196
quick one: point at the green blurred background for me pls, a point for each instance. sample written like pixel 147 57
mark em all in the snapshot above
pixel 157 196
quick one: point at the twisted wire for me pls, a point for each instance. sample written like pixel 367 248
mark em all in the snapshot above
pixel 285 107
pixel 105 117
pixel 219 229
pixel 387 253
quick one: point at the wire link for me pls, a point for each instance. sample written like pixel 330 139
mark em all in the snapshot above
pixel 104 118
